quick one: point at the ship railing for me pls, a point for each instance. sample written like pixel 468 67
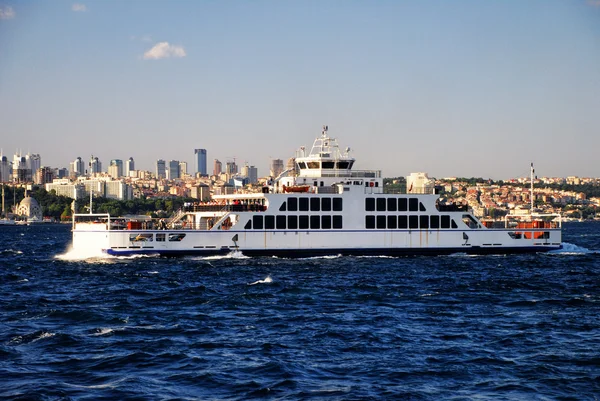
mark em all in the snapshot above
pixel 92 218
pixel 342 173
pixel 533 221
pixel 225 208
pixel 404 191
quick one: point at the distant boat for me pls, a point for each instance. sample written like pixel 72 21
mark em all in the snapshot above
pixel 7 222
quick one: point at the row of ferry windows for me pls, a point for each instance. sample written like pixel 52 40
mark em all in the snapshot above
pixel 343 165
pixel 314 222
pixel 314 204
pixel 411 222
pixel 394 205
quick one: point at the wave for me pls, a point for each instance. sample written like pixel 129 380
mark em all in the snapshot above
pixel 72 255
pixel 230 255
pixel 572 249
pixel 266 280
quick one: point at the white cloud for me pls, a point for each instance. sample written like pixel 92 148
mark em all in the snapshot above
pixel 79 7
pixel 164 50
pixel 7 12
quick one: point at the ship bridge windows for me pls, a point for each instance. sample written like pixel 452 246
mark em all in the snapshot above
pixel 328 165
pixel 345 165
pixel 312 164
pixel 302 165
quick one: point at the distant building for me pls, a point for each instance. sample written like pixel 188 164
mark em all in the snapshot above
pixel 77 168
pixel 200 161
pixel 161 169
pixel 218 168
pixel 231 168
pixel 61 173
pixel 173 171
pixel 129 166
pixel 115 169
pixel 32 162
pixel 183 170
pixel 19 165
pixel 251 172
pixel 43 175
pixel 5 169
pixel 276 167
pixel 95 166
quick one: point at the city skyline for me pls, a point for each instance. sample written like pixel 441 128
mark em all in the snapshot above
pixel 475 89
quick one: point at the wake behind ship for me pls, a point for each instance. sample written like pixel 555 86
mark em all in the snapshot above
pixel 320 206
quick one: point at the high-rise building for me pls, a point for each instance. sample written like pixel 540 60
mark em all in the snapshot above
pixel 129 166
pixel 276 167
pixel 182 168
pixel 19 166
pixel 95 166
pixel 173 171
pixel 218 166
pixel 33 163
pixel 251 172
pixel 77 168
pixel 231 168
pixel 115 169
pixel 161 169
pixel 5 169
pixel 200 161
pixel 43 175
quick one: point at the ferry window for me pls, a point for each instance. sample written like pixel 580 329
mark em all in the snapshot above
pixel 350 164
pixel 141 237
pixel 381 221
pixel 280 222
pixel 369 204
pixel 269 222
pixel 421 207
pixel 312 164
pixel 248 225
pixel 402 205
pixel 322 183
pixel 402 222
pixel 282 207
pixel 343 165
pixel 413 204
pixel 302 165
pixel 176 237
pixel 381 204
pixel 303 222
pixel 315 222
pixel 303 204
pixel 315 184
pixel 292 222
pixel 392 222
pixel 326 204
pixel 376 183
pixel 328 164
pixel 292 204
pixel 469 221
pixel 413 221
pixel 445 221
pixel 160 237
pixel 326 222
pixel 454 225
pixel 391 204
pixel 315 204
pixel 434 222
pixel 337 222
pixel 257 222
pixel 370 222
pixel 337 205
pixel 424 221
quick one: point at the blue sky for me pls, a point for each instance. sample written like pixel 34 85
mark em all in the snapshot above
pixel 453 88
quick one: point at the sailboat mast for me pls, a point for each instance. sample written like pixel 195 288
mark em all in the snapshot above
pixel 532 171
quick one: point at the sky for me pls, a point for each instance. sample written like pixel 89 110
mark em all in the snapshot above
pixel 452 88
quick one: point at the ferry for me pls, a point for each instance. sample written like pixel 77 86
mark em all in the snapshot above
pixel 320 206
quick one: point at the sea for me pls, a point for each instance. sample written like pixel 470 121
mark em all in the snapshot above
pixel 508 327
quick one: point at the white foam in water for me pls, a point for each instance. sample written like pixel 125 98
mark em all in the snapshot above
pixel 230 255
pixel 266 280
pixel 95 255
pixel 572 249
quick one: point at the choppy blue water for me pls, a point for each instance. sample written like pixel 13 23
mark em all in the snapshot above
pixel 418 328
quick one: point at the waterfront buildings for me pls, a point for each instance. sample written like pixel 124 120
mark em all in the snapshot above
pixel 173 170
pixel 200 161
pixel 95 165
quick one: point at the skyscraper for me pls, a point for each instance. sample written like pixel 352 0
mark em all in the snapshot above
pixel 129 166
pixel 183 169
pixel 95 165
pixel 218 166
pixel 77 168
pixel 161 169
pixel 276 167
pixel 200 161
pixel 173 171
pixel 5 169
pixel 115 169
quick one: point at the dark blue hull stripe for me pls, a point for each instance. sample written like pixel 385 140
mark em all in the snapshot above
pixel 301 253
